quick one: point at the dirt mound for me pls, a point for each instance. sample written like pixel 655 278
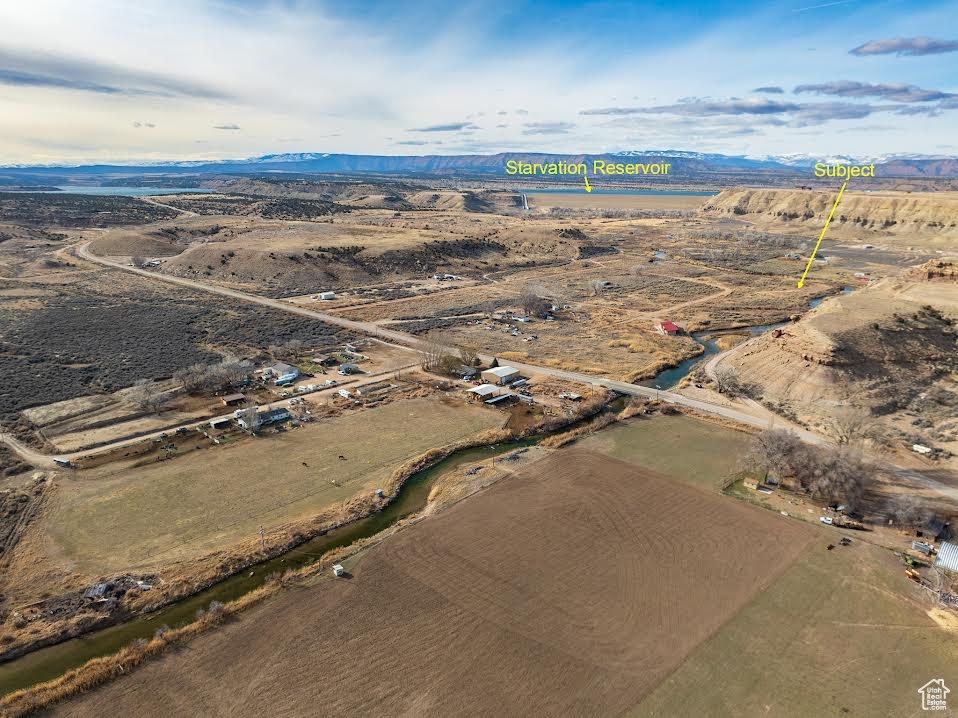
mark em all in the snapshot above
pixel 891 211
pixel 451 200
pixel 572 233
pixel 572 588
pixel 438 200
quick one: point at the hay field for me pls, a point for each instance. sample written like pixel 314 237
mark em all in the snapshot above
pixel 597 200
pixel 207 499
pixel 697 452
pixel 572 588
pixel 841 633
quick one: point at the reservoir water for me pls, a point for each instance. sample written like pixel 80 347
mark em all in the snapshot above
pixel 596 190
pixel 130 191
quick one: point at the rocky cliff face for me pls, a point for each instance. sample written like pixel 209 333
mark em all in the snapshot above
pixel 875 348
pixel 935 270
pixel 891 211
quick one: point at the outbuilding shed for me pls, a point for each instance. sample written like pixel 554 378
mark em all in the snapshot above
pixel 484 391
pixel 500 375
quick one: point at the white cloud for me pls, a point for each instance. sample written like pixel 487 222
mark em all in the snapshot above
pixel 296 78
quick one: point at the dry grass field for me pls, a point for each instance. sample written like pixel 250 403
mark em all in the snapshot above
pixel 573 588
pixel 841 633
pixel 208 499
pixel 697 452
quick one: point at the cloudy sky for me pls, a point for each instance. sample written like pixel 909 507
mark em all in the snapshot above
pixel 110 80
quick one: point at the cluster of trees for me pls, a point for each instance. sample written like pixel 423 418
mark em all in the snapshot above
pixel 147 395
pixel 213 377
pixel 833 473
pixel 534 303
pixel 290 350
pixel 751 238
pixel 440 355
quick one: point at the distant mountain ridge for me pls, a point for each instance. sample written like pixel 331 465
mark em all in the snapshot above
pixel 683 163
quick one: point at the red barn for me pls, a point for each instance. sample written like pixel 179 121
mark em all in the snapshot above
pixel 669 328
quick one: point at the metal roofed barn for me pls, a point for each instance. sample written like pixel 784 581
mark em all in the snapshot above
pixel 947 557
pixel 500 375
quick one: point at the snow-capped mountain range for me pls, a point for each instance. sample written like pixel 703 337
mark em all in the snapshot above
pixel 684 164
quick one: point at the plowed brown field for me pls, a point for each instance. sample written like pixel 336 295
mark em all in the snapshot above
pixel 570 589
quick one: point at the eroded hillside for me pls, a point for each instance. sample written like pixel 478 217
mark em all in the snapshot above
pixel 889 349
pixel 877 213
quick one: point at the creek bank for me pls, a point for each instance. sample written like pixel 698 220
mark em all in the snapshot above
pixel 707 338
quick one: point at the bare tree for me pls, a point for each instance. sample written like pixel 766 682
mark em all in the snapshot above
pixel 727 381
pixel 851 424
pixel 596 286
pixel 250 418
pixel 837 474
pixel 290 350
pixel 232 369
pixel 777 451
pixel 434 352
pixel 146 395
pixel 193 377
pixel 468 355
pixel 908 511
pixel 533 303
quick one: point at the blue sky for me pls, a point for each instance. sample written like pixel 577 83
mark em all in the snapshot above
pixel 107 80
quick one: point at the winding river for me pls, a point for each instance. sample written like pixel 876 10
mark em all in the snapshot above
pixel 669 378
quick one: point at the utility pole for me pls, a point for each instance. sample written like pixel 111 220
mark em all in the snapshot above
pixel 262 538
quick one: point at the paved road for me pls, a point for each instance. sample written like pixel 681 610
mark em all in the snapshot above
pixel 408 341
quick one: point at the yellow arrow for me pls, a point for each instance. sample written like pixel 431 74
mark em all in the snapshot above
pixel 801 282
pixel 587 187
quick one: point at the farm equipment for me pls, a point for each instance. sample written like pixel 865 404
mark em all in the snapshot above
pixel 913 575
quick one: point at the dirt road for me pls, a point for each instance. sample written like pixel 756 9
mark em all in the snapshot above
pixel 41 461
pixel 183 212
